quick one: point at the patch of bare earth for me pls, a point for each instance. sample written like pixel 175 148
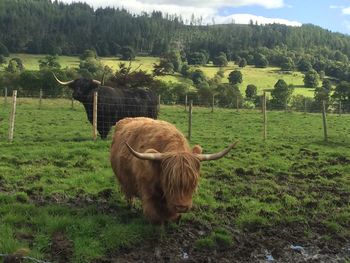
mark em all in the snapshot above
pixel 285 245
pixel 61 248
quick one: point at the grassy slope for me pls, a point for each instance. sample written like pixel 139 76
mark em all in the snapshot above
pixel 262 78
pixel 55 180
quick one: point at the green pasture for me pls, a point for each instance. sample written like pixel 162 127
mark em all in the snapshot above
pixel 263 78
pixel 56 183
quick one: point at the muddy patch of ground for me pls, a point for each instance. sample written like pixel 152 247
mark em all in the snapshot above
pixel 61 249
pixel 285 245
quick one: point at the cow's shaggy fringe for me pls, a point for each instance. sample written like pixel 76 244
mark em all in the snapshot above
pixel 179 174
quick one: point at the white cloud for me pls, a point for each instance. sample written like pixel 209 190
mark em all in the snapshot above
pixel 246 18
pixel 216 4
pixel 336 6
pixel 208 10
pixel 346 11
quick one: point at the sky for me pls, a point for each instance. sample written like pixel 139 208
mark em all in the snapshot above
pixel 333 15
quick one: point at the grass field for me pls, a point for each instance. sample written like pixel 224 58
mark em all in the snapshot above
pixel 263 78
pixel 60 201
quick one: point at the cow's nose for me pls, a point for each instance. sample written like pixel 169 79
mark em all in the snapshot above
pixel 181 208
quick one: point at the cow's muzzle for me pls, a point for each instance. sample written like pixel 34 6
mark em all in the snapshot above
pixel 182 208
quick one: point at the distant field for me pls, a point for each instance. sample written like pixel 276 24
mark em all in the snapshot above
pixel 263 78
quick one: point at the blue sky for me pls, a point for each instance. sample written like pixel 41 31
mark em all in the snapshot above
pixel 329 14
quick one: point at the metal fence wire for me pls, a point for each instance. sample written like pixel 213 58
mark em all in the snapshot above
pixel 73 119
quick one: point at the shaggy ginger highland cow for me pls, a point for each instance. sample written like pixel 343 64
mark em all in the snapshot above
pixel 153 161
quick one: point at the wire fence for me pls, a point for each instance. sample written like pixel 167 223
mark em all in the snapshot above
pixel 73 120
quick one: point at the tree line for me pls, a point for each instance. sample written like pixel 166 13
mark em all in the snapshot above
pixel 196 85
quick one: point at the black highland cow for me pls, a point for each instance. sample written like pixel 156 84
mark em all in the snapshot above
pixel 113 104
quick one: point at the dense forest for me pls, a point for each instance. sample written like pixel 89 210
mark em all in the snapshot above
pixel 46 27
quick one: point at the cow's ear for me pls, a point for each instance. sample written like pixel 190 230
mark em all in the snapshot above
pixel 197 149
pixel 94 85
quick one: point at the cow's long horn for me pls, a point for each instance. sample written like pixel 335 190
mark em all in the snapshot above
pixel 145 156
pixel 64 83
pixel 215 156
pixel 96 82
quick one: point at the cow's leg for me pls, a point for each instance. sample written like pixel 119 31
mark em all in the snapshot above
pixel 150 211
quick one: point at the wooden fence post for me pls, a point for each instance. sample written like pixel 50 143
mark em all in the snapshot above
pixel 285 106
pixel 94 117
pixel 186 102
pixel 12 116
pixel 264 117
pixel 5 96
pixel 324 118
pixel 158 103
pixel 237 103
pixel 40 98
pixel 339 110
pixel 212 103
pixel 72 104
pixel 305 108
pixel 190 120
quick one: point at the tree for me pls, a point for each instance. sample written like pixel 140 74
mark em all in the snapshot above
pixel 3 50
pixel 287 64
pixel 30 82
pixel 251 92
pixel 164 67
pixel 90 68
pixel 169 63
pixel 321 94
pixel 342 93
pixel 220 60
pixel 127 53
pixel 129 78
pixel 237 60
pixel 49 62
pixel 228 95
pixel 197 58
pixel 15 66
pixel 185 70
pixel 242 63
pixel 205 93
pixel 235 77
pixel 304 65
pixel 180 90
pixel 198 76
pixel 261 61
pixel 174 57
pixel 339 56
pixel 311 79
pixel 89 53
pixel 281 94
pixel 160 46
